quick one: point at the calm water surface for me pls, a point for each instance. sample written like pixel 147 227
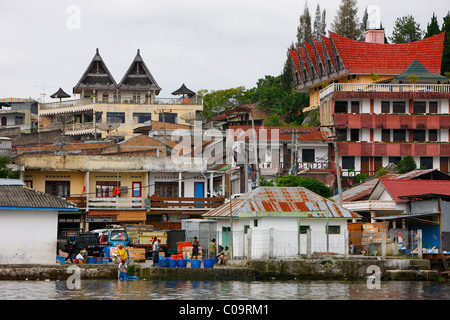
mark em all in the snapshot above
pixel 222 290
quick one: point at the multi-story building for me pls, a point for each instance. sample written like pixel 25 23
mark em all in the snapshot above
pixel 385 101
pixel 18 113
pixel 99 97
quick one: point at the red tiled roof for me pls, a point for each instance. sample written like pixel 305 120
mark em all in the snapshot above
pixel 363 57
pixel 310 50
pixel 398 188
pixel 314 133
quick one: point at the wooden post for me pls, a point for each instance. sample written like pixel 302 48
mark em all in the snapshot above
pixel 346 244
pixel 308 243
pixel 271 243
pixel 419 244
pixel 249 243
pixel 383 244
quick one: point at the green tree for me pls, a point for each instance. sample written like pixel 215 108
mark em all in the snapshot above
pixel 221 100
pixel 6 172
pixel 445 66
pixel 319 23
pixel 432 27
pixel 363 27
pixel 407 164
pixel 309 183
pixel 346 22
pixel 304 30
pixel 406 29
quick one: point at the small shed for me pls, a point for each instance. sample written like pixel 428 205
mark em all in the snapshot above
pixel 29 221
pixel 279 218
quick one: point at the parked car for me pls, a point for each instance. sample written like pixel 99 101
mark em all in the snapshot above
pixel 89 241
pixel 112 237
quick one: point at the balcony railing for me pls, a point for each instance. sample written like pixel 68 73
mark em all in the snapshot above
pixel 68 127
pixel 156 101
pixel 184 203
pixel 394 148
pixel 368 205
pixel 365 87
pixel 117 203
pixel 393 121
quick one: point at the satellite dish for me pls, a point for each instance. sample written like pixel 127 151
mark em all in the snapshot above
pixel 111 124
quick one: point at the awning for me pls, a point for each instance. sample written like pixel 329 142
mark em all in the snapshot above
pixel 407 216
pixel 50 112
pixel 79 132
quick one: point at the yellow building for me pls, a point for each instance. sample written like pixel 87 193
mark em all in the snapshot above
pixel 105 107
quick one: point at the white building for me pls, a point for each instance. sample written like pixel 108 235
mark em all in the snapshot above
pixel 272 222
pixel 29 220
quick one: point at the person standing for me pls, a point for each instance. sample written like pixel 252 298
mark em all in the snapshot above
pixel 123 254
pixel 155 252
pixel 122 270
pixel 212 249
pixel 195 245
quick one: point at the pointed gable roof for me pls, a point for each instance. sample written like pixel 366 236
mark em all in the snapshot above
pixel 363 57
pixel 96 76
pixel 418 70
pixel 138 77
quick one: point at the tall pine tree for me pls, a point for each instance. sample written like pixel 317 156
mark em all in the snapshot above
pixel 432 27
pixel 304 30
pixel 319 23
pixel 346 22
pixel 365 18
pixel 445 66
pixel 406 29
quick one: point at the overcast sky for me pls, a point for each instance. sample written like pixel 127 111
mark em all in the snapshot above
pixel 206 44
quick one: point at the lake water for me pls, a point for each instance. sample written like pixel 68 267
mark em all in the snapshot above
pixel 223 290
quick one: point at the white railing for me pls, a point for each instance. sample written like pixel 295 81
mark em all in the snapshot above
pixel 367 205
pixel 111 100
pixel 68 127
pixel 116 203
pixel 371 87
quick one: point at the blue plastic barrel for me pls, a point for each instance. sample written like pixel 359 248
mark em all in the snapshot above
pixel 163 263
pixel 208 263
pixel 181 263
pixel 172 263
pixel 91 260
pixel 196 263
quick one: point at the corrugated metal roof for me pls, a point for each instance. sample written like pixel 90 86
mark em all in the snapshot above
pixel 399 187
pixel 281 200
pixel 20 196
pixel 364 189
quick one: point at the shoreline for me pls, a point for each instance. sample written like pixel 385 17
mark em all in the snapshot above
pixel 245 270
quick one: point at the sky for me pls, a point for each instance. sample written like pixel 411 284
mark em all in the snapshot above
pixel 205 44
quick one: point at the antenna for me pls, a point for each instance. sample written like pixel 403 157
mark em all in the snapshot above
pixel 111 124
pixel 43 91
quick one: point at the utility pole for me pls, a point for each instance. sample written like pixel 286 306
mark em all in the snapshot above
pixel 294 145
pixel 163 112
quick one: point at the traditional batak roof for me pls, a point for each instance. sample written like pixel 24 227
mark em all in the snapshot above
pixel 343 56
pixel 138 77
pixel 96 76
pixel 281 201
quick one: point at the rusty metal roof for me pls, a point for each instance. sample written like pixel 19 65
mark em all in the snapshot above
pixel 364 189
pixel 281 200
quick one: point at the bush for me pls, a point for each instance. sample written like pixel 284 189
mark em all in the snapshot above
pixel 309 183
pixel 361 177
pixel 407 164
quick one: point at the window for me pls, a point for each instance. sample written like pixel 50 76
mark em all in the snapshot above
pixel 255 223
pixel 137 189
pixel 354 134
pixel 117 97
pixel 118 235
pixel 29 183
pixel 419 135
pixel 432 135
pixel 386 135
pixel 168 189
pixel 348 162
pixel 378 163
pixel 355 106
pixel 170 117
pixel 141 117
pixel 105 97
pixel 399 135
pixel 342 134
pixel 303 229
pixel 333 229
pixel 19 120
pixel 58 188
pixel 136 98
pixel 308 155
pixel 385 107
pixel 106 189
pixel 246 227
pixel 426 162
pixel 398 107
pixel 120 115
pixel 340 107
pixel 420 107
pixel 395 160
pixel 433 107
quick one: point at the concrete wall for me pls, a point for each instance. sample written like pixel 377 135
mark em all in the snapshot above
pixel 28 236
